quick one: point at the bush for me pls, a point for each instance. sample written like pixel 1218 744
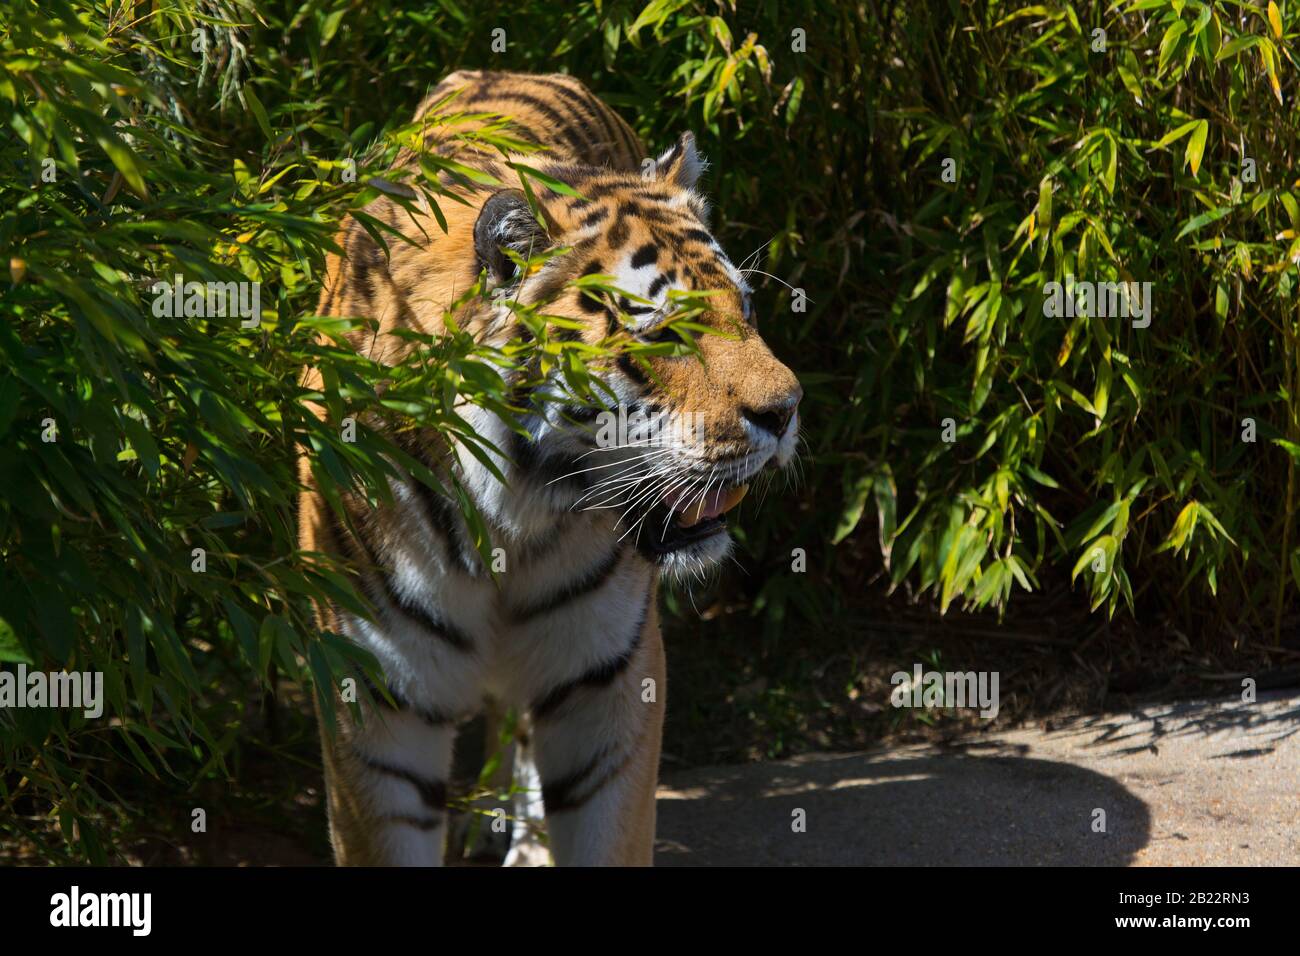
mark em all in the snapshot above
pixel 1147 143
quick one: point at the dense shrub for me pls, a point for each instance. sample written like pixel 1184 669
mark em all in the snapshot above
pixel 1147 142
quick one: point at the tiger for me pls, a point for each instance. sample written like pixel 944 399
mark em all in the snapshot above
pixel 568 636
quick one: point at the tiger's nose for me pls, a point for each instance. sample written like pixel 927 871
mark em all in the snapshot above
pixel 775 418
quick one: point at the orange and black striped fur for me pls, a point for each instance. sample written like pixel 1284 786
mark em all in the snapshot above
pixel 568 633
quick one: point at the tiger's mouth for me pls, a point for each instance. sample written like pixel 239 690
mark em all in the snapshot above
pixel 682 520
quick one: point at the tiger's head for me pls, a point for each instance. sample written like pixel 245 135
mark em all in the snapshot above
pixel 680 437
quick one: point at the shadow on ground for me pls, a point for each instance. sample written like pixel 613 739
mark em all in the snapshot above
pixel 1193 783
pixel 1247 729
pixel 900 808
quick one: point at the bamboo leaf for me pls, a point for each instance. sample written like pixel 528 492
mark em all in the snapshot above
pixel 1196 145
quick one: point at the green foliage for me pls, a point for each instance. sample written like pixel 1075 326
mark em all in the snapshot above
pixel 1087 442
pixel 1084 448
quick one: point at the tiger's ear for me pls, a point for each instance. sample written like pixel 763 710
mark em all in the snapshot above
pixel 681 164
pixel 506 222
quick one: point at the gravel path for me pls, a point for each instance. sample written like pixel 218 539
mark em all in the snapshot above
pixel 1209 782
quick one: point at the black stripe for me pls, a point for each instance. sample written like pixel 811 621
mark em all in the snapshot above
pixel 483 164
pixel 618 233
pixel 647 255
pixel 599 190
pixel 656 214
pixel 527 134
pixel 632 370
pixel 544 470
pixel 589 301
pixel 575 176
pixel 602 675
pixel 444 519
pixel 630 309
pixel 429 621
pixel 582 414
pixel 433 793
pixel 582 111
pixel 405 318
pixel 419 823
pixel 628 135
pixel 359 259
pixel 651 212
pixel 593 217
pixel 433 624
pixel 523 449
pixel 559 795
pixel 561 127
pixel 593 580
pixel 356 548
pixel 592 108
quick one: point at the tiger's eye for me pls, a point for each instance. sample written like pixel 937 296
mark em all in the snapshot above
pixel 663 333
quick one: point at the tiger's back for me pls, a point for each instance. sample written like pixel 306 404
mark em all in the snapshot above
pixel 551 110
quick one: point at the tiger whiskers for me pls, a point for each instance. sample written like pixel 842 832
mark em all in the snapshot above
pixel 749 272
pixel 612 464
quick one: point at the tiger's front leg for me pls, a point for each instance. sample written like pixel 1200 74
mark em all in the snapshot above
pixel 385 785
pixel 386 790
pixel 597 744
